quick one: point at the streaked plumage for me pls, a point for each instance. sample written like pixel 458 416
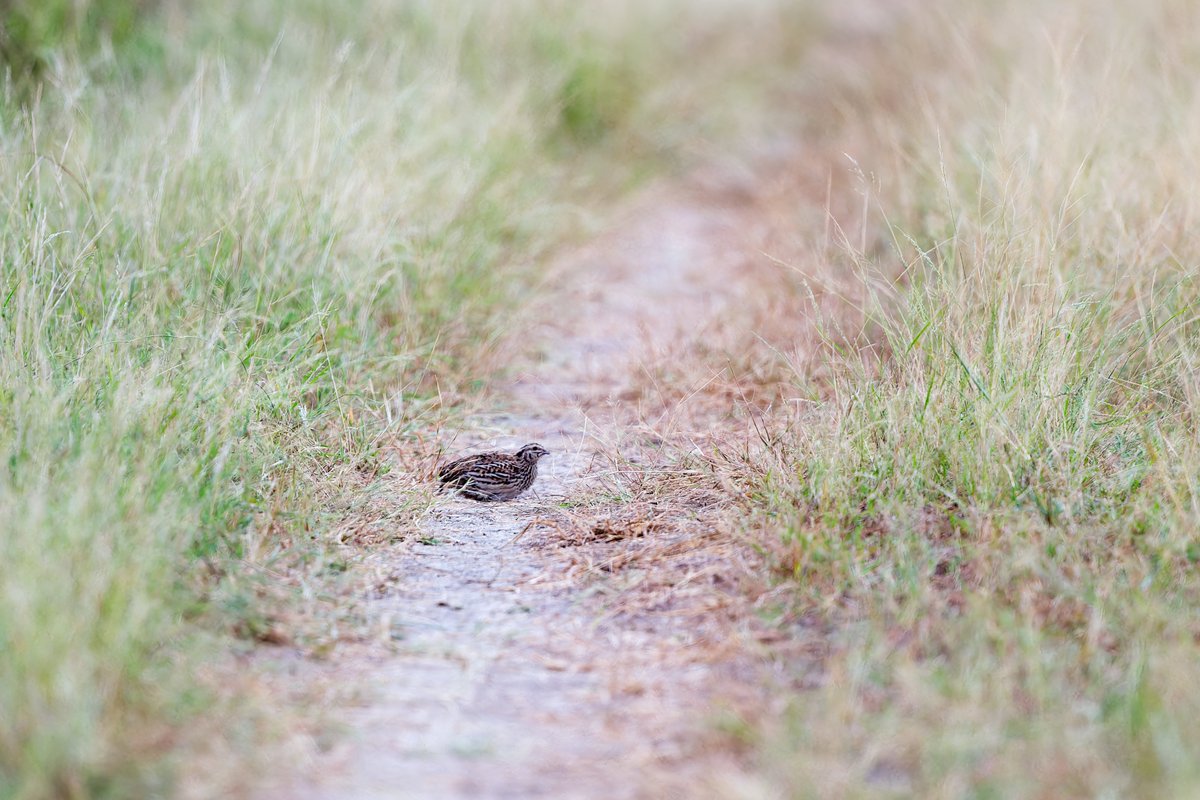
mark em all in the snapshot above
pixel 493 477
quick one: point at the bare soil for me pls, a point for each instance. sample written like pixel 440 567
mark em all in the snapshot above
pixel 590 639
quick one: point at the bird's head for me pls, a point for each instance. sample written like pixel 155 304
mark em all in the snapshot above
pixel 532 452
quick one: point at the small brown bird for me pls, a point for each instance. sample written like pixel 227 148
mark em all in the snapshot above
pixel 493 477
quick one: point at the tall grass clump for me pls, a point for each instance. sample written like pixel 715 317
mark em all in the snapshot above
pixel 34 34
pixel 996 499
pixel 225 281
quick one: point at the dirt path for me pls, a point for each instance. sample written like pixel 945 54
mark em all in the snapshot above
pixel 587 654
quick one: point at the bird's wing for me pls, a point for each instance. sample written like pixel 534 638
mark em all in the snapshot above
pixel 458 470
pixel 502 470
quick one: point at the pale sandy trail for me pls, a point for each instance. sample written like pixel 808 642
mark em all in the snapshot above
pixel 516 672
pixel 556 663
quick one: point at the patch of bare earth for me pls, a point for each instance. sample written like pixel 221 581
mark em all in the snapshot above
pixel 588 639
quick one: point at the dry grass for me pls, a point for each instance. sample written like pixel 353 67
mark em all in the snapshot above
pixel 973 454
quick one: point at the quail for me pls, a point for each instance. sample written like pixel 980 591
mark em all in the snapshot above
pixel 493 477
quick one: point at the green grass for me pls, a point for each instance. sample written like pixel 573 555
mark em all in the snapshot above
pixel 241 246
pixel 994 502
